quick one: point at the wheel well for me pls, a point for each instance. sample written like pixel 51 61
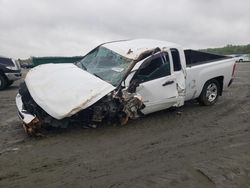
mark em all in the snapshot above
pixel 220 79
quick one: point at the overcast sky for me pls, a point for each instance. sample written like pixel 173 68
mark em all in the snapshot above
pixel 72 27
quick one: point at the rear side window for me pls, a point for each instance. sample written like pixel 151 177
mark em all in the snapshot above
pixel 155 68
pixel 176 59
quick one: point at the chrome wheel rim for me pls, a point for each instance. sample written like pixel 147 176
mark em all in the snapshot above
pixel 212 92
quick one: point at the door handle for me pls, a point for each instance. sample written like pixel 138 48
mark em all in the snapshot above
pixel 168 83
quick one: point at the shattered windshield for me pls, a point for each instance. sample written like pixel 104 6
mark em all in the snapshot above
pixel 105 64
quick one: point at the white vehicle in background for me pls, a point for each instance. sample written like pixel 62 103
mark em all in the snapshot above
pixel 120 80
pixel 244 58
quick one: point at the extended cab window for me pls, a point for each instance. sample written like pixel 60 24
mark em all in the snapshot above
pixel 154 68
pixel 176 59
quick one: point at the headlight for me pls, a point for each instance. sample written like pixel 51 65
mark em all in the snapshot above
pixel 12 68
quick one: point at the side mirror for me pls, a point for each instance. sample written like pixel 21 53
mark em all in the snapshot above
pixel 133 85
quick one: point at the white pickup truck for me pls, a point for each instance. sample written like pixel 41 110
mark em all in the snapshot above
pixel 120 80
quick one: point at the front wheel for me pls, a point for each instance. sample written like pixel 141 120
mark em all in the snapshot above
pixel 3 82
pixel 210 93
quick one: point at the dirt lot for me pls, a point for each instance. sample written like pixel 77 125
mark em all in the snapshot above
pixel 193 146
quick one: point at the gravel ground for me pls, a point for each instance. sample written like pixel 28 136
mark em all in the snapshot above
pixel 192 146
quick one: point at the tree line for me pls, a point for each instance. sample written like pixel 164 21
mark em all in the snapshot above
pixel 229 49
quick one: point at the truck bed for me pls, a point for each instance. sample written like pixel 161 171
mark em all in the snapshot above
pixel 200 72
pixel 194 57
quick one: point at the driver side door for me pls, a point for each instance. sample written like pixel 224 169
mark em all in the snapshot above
pixel 157 83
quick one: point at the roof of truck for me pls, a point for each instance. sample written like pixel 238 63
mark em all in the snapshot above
pixel 133 48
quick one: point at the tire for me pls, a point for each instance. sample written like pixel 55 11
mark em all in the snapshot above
pixel 210 93
pixel 3 82
pixel 240 60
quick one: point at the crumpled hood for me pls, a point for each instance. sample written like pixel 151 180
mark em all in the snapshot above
pixel 62 90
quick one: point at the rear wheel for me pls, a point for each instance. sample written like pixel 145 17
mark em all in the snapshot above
pixel 3 82
pixel 210 93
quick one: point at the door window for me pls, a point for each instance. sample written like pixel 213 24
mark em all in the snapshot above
pixel 156 67
pixel 176 59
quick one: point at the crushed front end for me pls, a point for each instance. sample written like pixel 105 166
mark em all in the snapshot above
pixel 109 109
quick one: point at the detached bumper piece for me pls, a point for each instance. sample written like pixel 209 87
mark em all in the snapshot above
pixel 31 123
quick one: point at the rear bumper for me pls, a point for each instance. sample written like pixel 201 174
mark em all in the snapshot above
pixel 230 82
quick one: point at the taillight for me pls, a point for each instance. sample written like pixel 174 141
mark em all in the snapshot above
pixel 234 69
